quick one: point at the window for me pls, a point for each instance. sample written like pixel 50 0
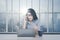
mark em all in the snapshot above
pixel 2 22
pixel 13 11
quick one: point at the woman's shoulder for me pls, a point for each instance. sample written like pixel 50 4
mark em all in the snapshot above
pixel 37 21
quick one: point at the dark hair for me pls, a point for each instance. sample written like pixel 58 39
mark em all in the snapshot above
pixel 33 13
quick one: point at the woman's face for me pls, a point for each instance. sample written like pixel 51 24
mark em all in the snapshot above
pixel 29 16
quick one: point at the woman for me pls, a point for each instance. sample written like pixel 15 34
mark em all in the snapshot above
pixel 31 21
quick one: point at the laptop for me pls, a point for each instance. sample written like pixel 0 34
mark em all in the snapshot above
pixel 26 33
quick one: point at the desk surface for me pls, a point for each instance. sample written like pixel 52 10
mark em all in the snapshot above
pixel 14 37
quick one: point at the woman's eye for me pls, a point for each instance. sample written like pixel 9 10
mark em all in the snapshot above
pixel 30 15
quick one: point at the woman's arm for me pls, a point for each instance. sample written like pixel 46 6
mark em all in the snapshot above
pixel 24 23
pixel 35 27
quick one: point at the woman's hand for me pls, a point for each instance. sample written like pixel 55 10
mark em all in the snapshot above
pixel 25 19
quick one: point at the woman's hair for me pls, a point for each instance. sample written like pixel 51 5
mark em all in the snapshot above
pixel 33 13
